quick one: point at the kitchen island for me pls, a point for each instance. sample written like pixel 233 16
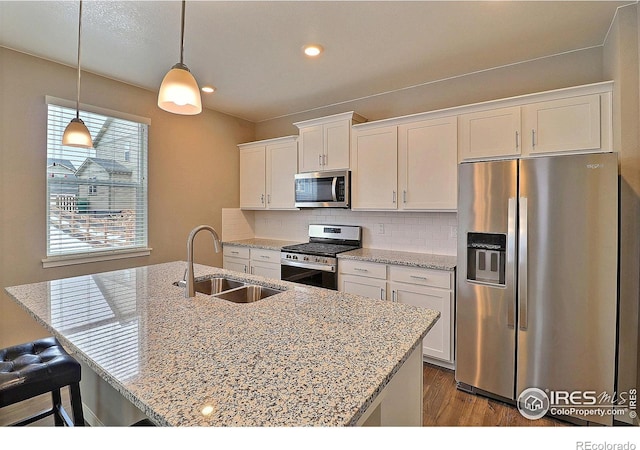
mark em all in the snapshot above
pixel 304 357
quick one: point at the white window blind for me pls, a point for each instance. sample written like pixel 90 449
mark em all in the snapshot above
pixel 96 198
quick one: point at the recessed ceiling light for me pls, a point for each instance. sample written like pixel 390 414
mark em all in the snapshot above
pixel 208 89
pixel 312 50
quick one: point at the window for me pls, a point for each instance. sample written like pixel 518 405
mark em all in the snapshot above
pixel 96 198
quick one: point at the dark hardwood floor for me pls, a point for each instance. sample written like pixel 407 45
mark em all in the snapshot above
pixel 443 405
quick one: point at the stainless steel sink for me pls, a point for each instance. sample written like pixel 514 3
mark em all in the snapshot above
pixel 212 286
pixel 248 294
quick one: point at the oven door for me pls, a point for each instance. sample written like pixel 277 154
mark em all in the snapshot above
pixel 317 276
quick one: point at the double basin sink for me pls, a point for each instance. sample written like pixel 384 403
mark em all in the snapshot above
pixel 231 290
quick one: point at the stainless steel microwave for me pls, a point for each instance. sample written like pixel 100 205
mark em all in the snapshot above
pixel 323 189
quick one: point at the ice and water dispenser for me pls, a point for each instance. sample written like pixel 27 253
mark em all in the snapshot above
pixel 486 258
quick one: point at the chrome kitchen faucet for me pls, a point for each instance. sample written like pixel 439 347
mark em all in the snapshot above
pixel 190 290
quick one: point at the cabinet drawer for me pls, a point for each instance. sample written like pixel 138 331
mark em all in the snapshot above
pixel 259 254
pixel 235 251
pixel 424 277
pixel 362 268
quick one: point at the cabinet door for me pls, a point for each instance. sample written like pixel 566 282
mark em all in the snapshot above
pixel 235 264
pixel 252 178
pixel 428 164
pixel 437 343
pixel 367 287
pixel 489 133
pixel 310 149
pixel 374 169
pixel 337 137
pixel 267 270
pixel 568 124
pixel 282 165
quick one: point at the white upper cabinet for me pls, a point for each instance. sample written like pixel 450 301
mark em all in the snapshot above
pixel 490 133
pixel 567 124
pixel 282 164
pixel 410 166
pixel 252 177
pixel 571 120
pixel 374 169
pixel 267 170
pixel 427 165
pixel 324 143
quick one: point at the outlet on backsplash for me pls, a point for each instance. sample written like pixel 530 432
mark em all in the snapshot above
pixel 453 232
pixel 380 228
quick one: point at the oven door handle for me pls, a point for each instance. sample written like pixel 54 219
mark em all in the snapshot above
pixel 306 265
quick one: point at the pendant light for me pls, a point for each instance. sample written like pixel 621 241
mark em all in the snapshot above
pixel 76 134
pixel 179 92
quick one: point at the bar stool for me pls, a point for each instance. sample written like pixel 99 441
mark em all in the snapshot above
pixel 38 367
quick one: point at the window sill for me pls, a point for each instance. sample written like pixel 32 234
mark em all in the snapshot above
pixel 69 260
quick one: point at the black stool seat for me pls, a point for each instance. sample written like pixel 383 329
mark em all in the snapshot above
pixel 38 367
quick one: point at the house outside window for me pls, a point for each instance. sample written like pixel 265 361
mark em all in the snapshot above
pixel 96 198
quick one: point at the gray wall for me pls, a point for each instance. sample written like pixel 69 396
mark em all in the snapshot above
pixel 622 64
pixel 570 69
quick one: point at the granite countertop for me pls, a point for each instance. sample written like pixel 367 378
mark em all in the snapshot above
pixel 423 260
pixel 307 356
pixel 267 244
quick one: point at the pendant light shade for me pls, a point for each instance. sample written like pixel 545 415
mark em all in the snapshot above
pixel 77 134
pixel 179 91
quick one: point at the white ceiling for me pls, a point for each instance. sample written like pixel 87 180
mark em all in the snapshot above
pixel 251 51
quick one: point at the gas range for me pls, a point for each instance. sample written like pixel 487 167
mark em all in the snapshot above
pixel 315 262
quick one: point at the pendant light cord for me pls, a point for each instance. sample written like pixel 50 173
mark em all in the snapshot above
pixel 181 33
pixel 79 34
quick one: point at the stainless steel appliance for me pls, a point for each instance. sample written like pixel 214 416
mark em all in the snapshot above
pixel 537 275
pixel 323 189
pixel 314 263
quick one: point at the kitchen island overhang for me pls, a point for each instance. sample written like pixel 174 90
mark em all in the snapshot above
pixel 305 357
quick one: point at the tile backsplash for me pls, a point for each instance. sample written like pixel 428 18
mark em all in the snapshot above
pixel 421 232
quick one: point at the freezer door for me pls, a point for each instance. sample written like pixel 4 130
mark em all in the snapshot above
pixel 485 305
pixel 568 274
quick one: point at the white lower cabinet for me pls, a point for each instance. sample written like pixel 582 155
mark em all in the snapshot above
pixel 437 344
pixel 265 263
pixel 424 288
pixel 235 264
pixel 366 287
pixel 256 261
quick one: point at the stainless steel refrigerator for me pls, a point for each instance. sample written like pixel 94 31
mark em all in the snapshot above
pixel 537 275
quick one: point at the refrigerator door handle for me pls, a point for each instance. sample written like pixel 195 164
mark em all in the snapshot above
pixel 522 263
pixel 511 256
